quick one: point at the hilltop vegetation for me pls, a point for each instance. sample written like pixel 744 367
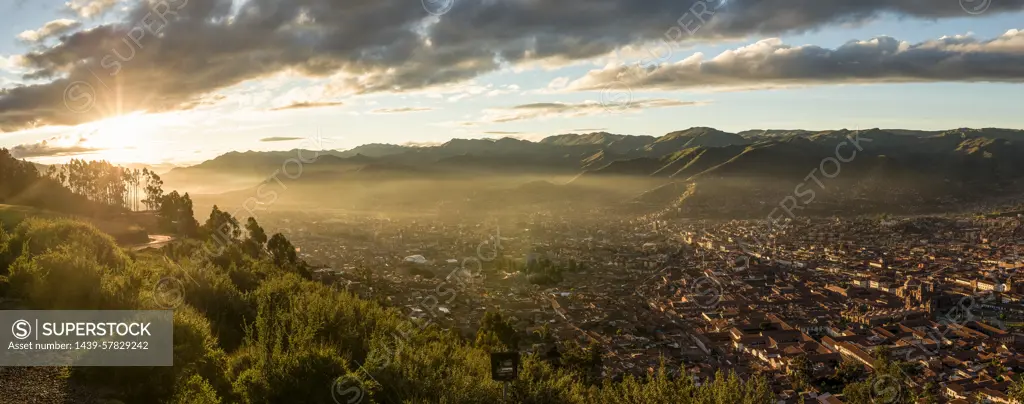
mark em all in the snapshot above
pixel 105 195
pixel 126 230
pixel 21 184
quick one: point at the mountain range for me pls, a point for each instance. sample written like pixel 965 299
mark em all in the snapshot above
pixel 692 172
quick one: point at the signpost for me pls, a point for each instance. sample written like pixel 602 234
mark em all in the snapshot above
pixel 504 368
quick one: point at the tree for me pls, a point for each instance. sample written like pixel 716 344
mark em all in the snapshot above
pixel 553 356
pixel 364 274
pixel 281 250
pixel 996 369
pixel 799 371
pixel 99 181
pixel 175 214
pixel 849 372
pixel 544 334
pixel 584 363
pixel 256 232
pixel 222 226
pixel 257 240
pixel 154 189
pixel 132 180
pixel 857 393
pixel 196 390
pixel 882 355
pixel 15 175
pixel 496 333
pixel 930 393
pixel 75 187
pixel 1016 391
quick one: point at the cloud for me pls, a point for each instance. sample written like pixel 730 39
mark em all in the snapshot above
pixel 386 45
pixel 556 109
pixel 307 104
pixel 507 89
pixel 589 130
pixel 501 132
pixel 558 83
pixel 52 28
pixel 204 101
pixel 90 8
pixel 13 64
pixel 456 124
pixel 400 110
pixel 422 144
pixel 55 146
pixel 770 63
pixel 280 139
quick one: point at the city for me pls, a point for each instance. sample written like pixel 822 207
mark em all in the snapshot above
pixel 937 293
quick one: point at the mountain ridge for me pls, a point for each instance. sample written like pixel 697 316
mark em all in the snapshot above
pixel 885 169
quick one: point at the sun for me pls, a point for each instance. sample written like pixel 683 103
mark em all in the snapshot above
pixel 120 128
pixel 125 138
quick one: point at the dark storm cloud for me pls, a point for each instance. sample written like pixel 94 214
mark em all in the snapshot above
pixel 168 52
pixel 771 64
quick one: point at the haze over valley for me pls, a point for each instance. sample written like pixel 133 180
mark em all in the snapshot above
pixel 695 173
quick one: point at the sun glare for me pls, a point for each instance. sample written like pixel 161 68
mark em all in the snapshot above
pixel 126 138
pixel 120 128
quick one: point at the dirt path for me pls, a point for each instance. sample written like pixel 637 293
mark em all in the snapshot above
pixel 155 241
pixel 39 385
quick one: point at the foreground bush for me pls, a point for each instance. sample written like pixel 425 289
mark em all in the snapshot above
pixel 199 368
pixel 35 236
pixel 65 264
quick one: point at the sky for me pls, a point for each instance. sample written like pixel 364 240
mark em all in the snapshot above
pixel 182 81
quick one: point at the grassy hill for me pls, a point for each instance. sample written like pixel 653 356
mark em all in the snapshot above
pixel 11 215
pixel 128 229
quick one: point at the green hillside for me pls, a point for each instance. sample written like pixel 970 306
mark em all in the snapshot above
pixel 11 215
pixel 125 230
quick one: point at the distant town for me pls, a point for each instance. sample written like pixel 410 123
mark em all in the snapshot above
pixel 793 300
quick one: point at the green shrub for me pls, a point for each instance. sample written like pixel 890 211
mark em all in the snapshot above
pixel 36 236
pixel 303 375
pixel 210 290
pixel 64 279
pixel 195 390
pixel 195 354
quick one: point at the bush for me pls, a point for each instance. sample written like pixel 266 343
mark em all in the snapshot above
pixel 304 375
pixel 5 254
pixel 65 279
pixel 195 354
pixel 212 293
pixel 196 390
pixel 36 236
